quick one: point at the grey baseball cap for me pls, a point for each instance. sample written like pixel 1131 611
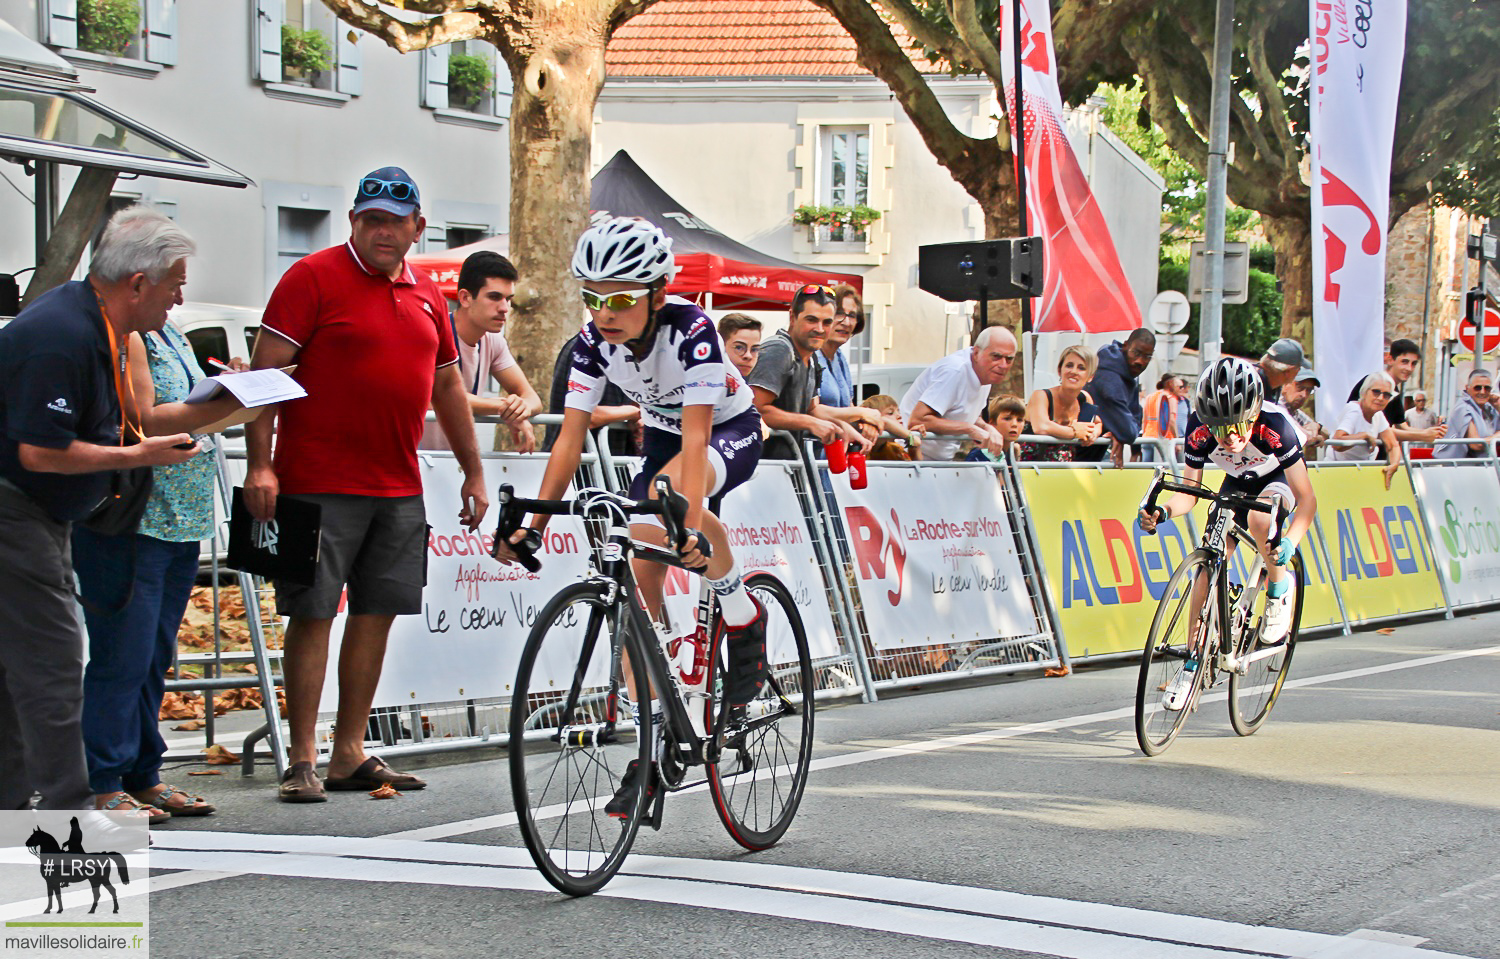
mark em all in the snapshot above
pixel 1308 374
pixel 1288 351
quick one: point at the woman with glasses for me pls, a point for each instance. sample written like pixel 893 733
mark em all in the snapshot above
pixel 1258 448
pixel 1364 420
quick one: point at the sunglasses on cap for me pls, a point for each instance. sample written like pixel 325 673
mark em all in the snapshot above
pixel 622 300
pixel 1228 430
pixel 398 190
pixel 816 288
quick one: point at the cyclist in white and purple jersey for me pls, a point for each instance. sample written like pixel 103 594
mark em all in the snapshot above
pixel 1260 450
pixel 701 427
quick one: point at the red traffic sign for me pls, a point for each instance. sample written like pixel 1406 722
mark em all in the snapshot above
pixel 1466 331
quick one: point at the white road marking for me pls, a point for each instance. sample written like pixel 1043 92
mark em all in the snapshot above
pixel 988 917
pixel 504 820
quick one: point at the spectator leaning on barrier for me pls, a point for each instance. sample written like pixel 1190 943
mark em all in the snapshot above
pixel 950 395
pixel 785 377
pixel 1116 389
pixel 1007 414
pixel 135 584
pixel 614 407
pixel 1364 419
pixel 1282 362
pixel 1473 417
pixel 741 335
pixel 486 287
pixel 1294 397
pixel 63 366
pixel 1065 412
pixel 373 347
pixel 1400 363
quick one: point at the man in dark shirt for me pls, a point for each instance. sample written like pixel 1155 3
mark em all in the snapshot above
pixel 1116 388
pixel 60 409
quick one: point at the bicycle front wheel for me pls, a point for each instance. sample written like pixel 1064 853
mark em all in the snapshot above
pixel 573 733
pixel 1252 695
pixel 1180 627
pixel 766 746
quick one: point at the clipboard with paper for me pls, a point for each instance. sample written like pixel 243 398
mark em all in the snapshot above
pixel 286 548
pixel 254 389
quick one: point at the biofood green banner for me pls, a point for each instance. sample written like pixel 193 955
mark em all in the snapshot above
pixel 1462 503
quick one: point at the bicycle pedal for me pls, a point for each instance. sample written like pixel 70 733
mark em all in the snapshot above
pixel 658 805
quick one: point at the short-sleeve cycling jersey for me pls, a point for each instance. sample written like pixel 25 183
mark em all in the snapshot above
pixel 1273 446
pixel 685 367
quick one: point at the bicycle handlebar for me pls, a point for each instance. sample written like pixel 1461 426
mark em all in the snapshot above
pixel 1163 485
pixel 669 505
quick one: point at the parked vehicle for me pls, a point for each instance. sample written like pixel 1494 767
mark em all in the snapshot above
pixel 892 379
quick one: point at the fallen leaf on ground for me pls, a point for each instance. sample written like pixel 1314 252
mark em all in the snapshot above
pixel 190 725
pixel 217 755
pixel 1386 631
pixel 384 792
pixel 205 772
pixel 1057 671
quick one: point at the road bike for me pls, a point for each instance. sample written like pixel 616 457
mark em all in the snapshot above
pixel 1221 582
pixel 575 727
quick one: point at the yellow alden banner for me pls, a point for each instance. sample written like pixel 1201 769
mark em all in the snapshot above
pixel 1378 550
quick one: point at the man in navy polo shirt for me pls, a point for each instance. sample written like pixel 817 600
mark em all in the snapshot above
pixel 60 425
pixel 373 347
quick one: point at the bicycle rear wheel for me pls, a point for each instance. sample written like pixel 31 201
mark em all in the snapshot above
pixel 766 746
pixel 1167 651
pixel 1252 695
pixel 573 733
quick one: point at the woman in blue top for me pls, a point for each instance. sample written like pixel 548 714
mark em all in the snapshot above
pixel 835 384
pixel 136 586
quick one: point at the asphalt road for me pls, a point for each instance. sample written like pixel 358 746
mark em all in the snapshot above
pixel 1005 819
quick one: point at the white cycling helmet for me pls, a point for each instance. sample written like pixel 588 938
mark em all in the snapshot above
pixel 624 248
pixel 1229 393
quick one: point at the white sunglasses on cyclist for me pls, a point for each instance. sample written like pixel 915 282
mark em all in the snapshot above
pixel 622 300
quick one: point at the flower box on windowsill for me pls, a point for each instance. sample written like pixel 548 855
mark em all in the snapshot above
pixel 125 66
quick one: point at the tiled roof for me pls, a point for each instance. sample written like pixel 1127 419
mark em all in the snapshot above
pixel 732 38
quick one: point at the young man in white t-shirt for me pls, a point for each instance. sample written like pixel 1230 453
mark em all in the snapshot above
pixel 486 287
pixel 950 395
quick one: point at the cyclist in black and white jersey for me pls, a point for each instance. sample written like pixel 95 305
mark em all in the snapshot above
pixel 701 426
pixel 1260 450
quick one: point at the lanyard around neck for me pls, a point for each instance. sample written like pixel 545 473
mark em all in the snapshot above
pixel 120 358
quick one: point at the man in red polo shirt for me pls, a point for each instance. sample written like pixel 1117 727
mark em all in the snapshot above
pixel 373 347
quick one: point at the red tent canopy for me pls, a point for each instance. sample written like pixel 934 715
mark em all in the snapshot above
pixel 709 264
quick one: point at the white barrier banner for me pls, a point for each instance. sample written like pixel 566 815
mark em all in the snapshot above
pixel 935 556
pixel 1462 504
pixel 476 613
pixel 767 532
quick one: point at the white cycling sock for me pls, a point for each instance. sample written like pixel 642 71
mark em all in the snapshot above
pixel 738 608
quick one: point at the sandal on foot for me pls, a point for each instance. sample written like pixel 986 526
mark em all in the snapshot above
pixel 300 784
pixel 372 774
pixel 126 803
pixel 188 804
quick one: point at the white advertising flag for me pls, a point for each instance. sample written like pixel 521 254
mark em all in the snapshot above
pixel 1357 50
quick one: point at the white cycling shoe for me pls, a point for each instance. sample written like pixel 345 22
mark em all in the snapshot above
pixel 1277 621
pixel 1175 696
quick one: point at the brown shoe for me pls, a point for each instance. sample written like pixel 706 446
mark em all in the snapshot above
pixel 300 784
pixel 175 801
pixel 372 774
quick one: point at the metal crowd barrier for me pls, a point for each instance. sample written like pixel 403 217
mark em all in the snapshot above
pixel 860 666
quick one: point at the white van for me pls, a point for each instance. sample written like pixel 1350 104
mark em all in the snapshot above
pixel 217 330
pixel 892 379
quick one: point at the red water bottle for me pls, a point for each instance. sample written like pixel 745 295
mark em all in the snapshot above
pixel 837 460
pixel 858 479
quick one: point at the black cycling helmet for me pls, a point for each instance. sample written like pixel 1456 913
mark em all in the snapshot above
pixel 1229 393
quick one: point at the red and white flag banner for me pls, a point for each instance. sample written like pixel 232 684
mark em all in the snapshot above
pixel 1086 289
pixel 1357 51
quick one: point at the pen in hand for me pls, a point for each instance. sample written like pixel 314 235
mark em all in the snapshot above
pixel 220 364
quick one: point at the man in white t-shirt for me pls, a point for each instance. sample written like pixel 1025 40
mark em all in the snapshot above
pixel 486 286
pixel 950 395
pixel 1364 420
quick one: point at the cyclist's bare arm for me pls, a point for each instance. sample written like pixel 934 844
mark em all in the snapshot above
pixel 561 466
pixel 1180 504
pixel 1300 481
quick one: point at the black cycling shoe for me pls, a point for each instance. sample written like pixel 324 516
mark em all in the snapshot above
pixel 747 658
pixel 622 806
